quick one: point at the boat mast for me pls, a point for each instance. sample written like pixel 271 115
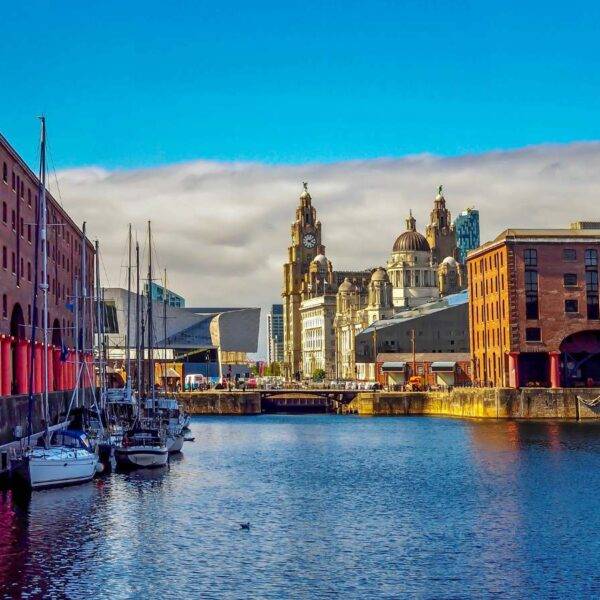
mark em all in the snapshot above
pixel 128 341
pixel 150 322
pixel 76 341
pixel 138 356
pixel 164 370
pixel 83 304
pixel 100 334
pixel 44 284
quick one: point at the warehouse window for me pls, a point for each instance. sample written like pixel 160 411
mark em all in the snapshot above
pixel 533 334
pixel 569 254
pixel 571 306
pixel 591 258
pixel 570 279
pixel 530 257
pixel 592 307
pixel 531 294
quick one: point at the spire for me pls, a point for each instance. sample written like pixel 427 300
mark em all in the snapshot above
pixel 411 223
pixel 440 194
pixel 305 195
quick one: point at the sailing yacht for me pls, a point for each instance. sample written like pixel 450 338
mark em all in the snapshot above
pixel 67 459
pixel 142 447
pixel 167 412
pixel 145 445
pixel 62 457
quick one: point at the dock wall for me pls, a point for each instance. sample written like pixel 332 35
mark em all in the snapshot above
pixel 14 411
pixel 220 403
pixel 495 403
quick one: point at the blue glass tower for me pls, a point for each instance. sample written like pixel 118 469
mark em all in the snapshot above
pixel 466 226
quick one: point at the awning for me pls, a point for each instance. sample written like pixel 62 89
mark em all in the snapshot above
pixel 172 374
pixel 393 366
pixel 443 367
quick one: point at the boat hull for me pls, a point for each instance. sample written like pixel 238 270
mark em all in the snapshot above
pixel 175 443
pixel 40 472
pixel 141 457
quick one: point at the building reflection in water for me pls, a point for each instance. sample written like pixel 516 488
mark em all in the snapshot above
pixel 529 462
pixel 51 539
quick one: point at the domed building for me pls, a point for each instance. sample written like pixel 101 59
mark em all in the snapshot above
pixel 318 279
pixel 450 276
pixel 357 305
pixel 411 270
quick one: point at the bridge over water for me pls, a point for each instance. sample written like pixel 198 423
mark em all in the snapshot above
pixel 304 400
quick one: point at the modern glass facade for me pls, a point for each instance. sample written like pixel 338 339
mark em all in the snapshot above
pixel 158 295
pixel 275 326
pixel 466 226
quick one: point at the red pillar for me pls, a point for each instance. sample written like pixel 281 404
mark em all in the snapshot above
pixel 38 366
pixel 513 369
pixel 72 368
pixel 69 371
pixel 555 369
pixel 50 354
pixel 5 365
pixel 57 367
pixel 21 350
pixel 89 359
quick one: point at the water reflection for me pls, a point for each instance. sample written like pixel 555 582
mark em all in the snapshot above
pixel 339 506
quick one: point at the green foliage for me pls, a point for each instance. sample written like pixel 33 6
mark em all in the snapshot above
pixel 274 369
pixel 318 375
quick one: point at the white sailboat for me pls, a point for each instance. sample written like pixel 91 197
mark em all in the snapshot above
pixel 144 447
pixel 63 457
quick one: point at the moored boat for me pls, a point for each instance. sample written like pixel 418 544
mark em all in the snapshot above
pixel 142 448
pixel 68 459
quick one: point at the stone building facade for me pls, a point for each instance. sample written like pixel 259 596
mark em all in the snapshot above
pixel 305 246
pixel 356 307
pixel 411 269
pixel 415 275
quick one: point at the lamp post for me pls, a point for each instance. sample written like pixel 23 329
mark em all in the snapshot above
pixel 374 352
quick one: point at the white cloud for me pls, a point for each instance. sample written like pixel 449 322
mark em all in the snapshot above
pixel 222 229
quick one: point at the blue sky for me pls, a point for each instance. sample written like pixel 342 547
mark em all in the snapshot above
pixel 129 84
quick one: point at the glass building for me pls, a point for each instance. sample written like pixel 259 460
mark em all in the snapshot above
pixel 275 326
pixel 466 226
pixel 158 293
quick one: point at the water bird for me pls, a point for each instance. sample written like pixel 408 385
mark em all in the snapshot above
pixel 245 526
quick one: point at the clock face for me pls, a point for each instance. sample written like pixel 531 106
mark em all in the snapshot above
pixel 309 240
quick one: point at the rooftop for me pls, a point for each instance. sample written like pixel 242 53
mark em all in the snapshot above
pixel 403 316
pixel 573 234
pixel 423 357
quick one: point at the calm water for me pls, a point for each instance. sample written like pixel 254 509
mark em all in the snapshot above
pixel 340 507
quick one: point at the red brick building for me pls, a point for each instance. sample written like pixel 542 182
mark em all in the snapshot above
pixel 533 308
pixel 19 195
pixel 437 369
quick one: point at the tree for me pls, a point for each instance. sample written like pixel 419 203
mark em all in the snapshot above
pixel 318 375
pixel 274 369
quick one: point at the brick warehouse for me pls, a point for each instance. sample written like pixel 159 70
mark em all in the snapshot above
pixel 533 313
pixel 19 190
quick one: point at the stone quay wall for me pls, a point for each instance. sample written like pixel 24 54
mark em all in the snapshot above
pixel 495 403
pixel 220 403
pixel 14 411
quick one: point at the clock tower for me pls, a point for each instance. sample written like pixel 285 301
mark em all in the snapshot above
pixel 306 244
